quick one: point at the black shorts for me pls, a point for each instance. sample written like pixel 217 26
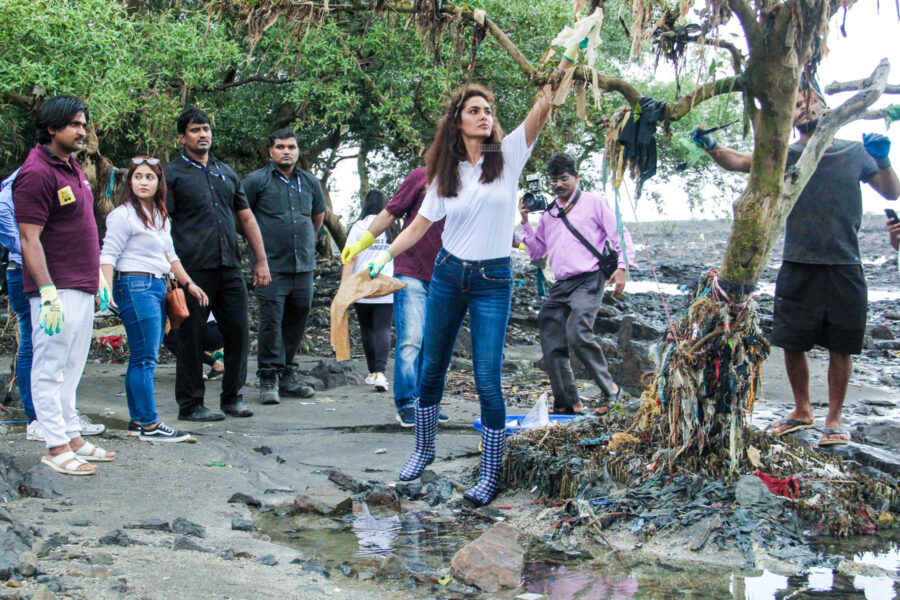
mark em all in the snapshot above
pixel 822 305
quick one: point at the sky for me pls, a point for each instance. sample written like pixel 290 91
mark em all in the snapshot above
pixel 855 57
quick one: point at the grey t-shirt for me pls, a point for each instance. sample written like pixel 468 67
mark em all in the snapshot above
pixel 822 227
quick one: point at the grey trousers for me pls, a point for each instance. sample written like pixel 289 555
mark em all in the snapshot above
pixel 567 321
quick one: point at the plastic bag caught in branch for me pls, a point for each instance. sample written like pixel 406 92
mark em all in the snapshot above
pixel 588 27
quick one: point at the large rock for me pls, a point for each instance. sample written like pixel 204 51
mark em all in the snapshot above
pixel 43 482
pixel 15 539
pixel 881 432
pixel 10 478
pixel 493 561
pixel 335 374
pixel 323 499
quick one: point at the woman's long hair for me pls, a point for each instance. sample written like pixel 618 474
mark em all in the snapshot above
pixel 373 204
pixel 448 149
pixel 159 200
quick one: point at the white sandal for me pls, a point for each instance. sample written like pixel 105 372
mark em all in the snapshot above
pixel 92 453
pixel 67 463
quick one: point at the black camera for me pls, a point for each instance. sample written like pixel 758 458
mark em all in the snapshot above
pixel 534 199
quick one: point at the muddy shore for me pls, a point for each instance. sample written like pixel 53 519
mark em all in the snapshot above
pixel 285 449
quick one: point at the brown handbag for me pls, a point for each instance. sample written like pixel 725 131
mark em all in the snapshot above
pixel 176 304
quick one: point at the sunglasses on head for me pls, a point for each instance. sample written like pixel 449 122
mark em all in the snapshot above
pixel 150 161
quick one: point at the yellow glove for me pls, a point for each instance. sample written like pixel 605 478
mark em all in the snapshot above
pixel 103 292
pixel 352 250
pixel 375 266
pixel 522 247
pixel 51 310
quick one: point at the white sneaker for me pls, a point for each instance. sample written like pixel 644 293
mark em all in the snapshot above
pixel 89 428
pixel 370 379
pixel 380 382
pixel 34 432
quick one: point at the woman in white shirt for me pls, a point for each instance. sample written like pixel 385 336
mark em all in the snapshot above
pixel 473 174
pixel 138 243
pixel 375 314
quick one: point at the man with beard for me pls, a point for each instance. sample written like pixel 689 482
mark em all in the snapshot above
pixel 566 319
pixel 54 208
pixel 207 205
pixel 289 206
pixel 820 293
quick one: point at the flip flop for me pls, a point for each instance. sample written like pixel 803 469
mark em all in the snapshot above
pixel 838 442
pixel 792 426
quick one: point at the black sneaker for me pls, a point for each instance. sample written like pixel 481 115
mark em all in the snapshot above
pixel 443 417
pixel 134 429
pixel 163 433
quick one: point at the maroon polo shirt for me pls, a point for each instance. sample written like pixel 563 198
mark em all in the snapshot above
pixel 418 261
pixel 56 195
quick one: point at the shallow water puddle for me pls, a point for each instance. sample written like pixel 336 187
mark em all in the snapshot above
pixel 425 542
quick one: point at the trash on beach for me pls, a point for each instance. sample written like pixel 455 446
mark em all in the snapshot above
pixel 215 464
pixel 380 451
pixel 353 288
pixel 539 415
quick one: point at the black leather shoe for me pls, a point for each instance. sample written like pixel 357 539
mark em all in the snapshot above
pixel 201 413
pixel 237 409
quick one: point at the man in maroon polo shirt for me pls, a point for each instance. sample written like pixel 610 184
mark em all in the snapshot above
pixel 414 268
pixel 54 208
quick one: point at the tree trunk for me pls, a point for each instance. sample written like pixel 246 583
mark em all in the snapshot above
pixel 97 169
pixel 362 166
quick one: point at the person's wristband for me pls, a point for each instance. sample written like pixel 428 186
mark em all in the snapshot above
pixel 883 163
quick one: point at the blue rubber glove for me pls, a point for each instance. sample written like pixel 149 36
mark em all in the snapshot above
pixel 103 292
pixel 376 265
pixel 705 141
pixel 878 147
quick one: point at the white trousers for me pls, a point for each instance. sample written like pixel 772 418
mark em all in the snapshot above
pixel 58 364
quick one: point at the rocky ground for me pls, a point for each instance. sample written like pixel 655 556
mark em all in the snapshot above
pixel 226 517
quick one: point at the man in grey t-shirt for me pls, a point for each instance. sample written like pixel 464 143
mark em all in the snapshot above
pixel 820 293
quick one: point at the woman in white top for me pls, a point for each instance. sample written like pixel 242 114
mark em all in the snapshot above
pixel 138 243
pixel 375 314
pixel 473 174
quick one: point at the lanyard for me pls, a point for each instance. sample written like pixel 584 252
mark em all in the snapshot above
pixel 217 173
pixel 288 181
pixel 560 210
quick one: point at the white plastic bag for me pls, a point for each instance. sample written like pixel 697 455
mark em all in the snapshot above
pixel 539 415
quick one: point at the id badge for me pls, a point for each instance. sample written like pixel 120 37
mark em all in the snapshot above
pixel 66 196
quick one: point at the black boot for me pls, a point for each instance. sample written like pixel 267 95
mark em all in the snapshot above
pixel 292 383
pixel 268 386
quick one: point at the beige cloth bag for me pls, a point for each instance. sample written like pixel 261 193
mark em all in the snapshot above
pixel 358 285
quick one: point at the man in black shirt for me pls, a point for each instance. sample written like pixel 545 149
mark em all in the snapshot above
pixel 208 207
pixel 289 206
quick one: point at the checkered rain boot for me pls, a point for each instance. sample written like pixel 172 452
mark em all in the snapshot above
pixel 426 429
pixel 492 441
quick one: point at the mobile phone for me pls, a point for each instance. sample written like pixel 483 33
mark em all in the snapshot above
pixel 891 214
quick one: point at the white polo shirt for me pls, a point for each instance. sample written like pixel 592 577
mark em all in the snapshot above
pixel 481 218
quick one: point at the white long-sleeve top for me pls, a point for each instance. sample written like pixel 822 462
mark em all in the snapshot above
pixel 129 245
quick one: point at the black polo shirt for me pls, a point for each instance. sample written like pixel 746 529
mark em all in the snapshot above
pixel 284 212
pixel 202 204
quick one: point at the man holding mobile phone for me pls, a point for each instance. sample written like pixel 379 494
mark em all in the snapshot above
pixel 820 293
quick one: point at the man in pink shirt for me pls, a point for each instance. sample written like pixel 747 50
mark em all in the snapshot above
pixel 567 315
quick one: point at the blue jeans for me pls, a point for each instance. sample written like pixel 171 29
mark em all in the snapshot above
pixel 20 305
pixel 484 289
pixel 409 322
pixel 142 307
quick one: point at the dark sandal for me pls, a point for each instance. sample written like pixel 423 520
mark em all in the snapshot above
pixel 842 441
pixel 793 425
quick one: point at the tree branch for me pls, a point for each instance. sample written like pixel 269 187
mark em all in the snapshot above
pixel 26 103
pixel 852 86
pixel 737 58
pixel 686 103
pixel 747 16
pixel 797 176
pixel 876 115
pixel 251 79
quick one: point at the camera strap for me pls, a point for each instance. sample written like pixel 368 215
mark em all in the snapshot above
pixel 608 260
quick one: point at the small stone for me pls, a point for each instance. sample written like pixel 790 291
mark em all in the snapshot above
pixel 751 491
pixel 51 582
pixel 185 527
pixel 101 558
pixel 311 566
pixel 120 585
pixel 44 593
pixel 264 450
pixel 184 543
pixel 28 564
pixel 493 561
pixel 43 482
pixel 117 537
pixel 151 525
pixel 81 523
pixel 392 567
pixel 99 573
pixel 47 545
pixel 346 569
pixel 240 498
pixel 365 575
pixel 239 524
pixel 324 499
pixel 268 560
